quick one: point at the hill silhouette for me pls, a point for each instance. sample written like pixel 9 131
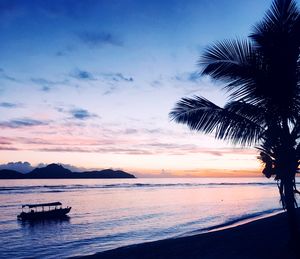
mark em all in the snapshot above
pixel 55 171
pixel 11 174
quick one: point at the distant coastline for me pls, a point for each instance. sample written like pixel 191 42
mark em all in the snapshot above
pixel 55 171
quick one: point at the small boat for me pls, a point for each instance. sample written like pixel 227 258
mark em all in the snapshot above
pixel 43 211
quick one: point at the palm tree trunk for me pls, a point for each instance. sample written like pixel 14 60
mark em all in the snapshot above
pixel 290 206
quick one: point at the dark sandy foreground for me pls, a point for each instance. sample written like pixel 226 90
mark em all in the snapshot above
pixel 263 238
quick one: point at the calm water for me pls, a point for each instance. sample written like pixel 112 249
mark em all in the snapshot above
pixel 110 213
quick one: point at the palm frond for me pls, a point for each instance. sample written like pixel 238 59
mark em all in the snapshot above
pixel 254 113
pixel 281 19
pixel 227 60
pixel 202 115
pixel 237 64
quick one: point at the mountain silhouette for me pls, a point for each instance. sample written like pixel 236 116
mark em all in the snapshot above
pixel 50 171
pixel 55 171
pixel 10 174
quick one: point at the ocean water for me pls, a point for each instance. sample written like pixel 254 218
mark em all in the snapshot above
pixel 109 213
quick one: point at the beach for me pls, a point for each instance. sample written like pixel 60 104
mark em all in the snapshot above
pixel 263 238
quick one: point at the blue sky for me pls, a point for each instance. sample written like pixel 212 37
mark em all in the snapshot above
pixel 90 83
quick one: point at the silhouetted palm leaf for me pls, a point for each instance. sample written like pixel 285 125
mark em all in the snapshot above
pixel 254 113
pixel 280 22
pixel 202 115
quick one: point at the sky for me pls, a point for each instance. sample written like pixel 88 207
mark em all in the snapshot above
pixel 90 83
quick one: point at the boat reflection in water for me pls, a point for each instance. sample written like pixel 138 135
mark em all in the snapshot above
pixel 53 210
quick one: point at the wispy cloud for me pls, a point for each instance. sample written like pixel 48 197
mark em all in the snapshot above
pixel 117 77
pixel 82 114
pixel 128 141
pixel 156 83
pixel 77 113
pixel 114 81
pixel 8 148
pixel 110 78
pixel 22 122
pixel 99 39
pixel 46 84
pixel 150 149
pixel 193 77
pixel 115 150
pixel 82 75
pixel 62 140
pixel 9 105
pixel 5 141
pixel 5 76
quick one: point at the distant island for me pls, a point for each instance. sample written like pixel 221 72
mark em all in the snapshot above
pixel 55 171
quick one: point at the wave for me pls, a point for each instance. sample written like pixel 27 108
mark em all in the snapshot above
pixel 76 187
pixel 236 221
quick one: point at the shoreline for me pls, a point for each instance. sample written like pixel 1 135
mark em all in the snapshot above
pixel 248 218
pixel 267 237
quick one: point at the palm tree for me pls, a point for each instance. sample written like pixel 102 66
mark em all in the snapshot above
pixel 262 77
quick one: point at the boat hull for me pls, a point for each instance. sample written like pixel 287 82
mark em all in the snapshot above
pixel 51 214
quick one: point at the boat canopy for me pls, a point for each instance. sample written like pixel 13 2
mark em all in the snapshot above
pixel 42 205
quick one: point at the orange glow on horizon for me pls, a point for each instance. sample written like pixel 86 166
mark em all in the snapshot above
pixel 197 173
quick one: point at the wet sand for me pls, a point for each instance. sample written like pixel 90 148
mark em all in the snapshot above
pixel 263 238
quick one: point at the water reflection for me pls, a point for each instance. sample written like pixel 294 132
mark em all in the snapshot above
pixel 44 224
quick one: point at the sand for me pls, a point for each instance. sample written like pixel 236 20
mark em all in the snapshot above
pixel 263 238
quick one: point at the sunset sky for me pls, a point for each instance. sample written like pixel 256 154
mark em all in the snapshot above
pixel 90 83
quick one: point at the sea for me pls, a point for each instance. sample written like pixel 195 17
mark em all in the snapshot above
pixel 110 213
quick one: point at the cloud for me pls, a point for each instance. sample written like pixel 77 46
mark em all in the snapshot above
pixel 130 131
pixel 66 149
pixel 110 90
pixel 43 81
pixel 65 51
pixel 193 77
pixel 126 141
pixel 147 149
pixel 82 75
pixel 115 150
pixel 156 83
pixel 46 84
pixel 78 113
pixel 117 77
pixel 46 88
pixel 82 114
pixel 8 148
pixel 9 105
pixel 113 80
pixel 5 141
pixel 5 76
pixel 99 39
pixel 22 122
pixel 23 167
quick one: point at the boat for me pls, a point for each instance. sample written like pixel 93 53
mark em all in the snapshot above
pixel 43 211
